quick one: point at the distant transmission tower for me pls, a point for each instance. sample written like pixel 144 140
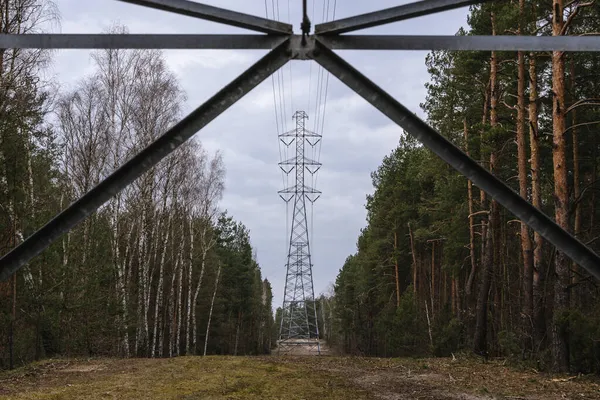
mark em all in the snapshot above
pixel 299 315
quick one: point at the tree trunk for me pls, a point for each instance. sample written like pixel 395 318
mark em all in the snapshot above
pixel 482 195
pixel 458 298
pixel 594 178
pixel 471 278
pixel 489 249
pixel 561 194
pixel 527 314
pixel 453 296
pixel 414 258
pixel 122 292
pixel 536 198
pixel 152 246
pixel 237 333
pixel 138 286
pixel 179 302
pixel 496 283
pixel 11 328
pixel 205 249
pixel 212 304
pixel 189 291
pixel 159 291
pixel 480 339
pixel 576 190
pixel 141 286
pixel 396 265
pixel 171 308
pixel 432 279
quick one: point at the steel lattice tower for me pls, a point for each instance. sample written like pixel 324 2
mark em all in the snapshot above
pixel 299 315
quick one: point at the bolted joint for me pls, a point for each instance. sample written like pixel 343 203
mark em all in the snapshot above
pixel 302 47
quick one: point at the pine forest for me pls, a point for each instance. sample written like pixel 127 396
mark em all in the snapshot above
pixel 440 267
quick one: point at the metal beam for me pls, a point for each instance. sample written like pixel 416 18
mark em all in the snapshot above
pixel 145 160
pixel 258 42
pixel 144 41
pixel 451 154
pixel 216 14
pixel 389 15
pixel 482 43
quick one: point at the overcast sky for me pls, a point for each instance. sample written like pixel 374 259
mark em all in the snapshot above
pixel 355 137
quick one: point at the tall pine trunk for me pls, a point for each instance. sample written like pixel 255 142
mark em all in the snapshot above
pixel 527 314
pixel 396 269
pixel 413 251
pixel 576 190
pixel 561 194
pixel 491 232
pixel 471 278
pixel 432 289
pixel 536 198
pixel 480 339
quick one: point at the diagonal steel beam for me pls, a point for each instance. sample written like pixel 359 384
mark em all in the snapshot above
pixel 216 14
pixel 451 154
pixel 472 43
pixel 145 160
pixel 144 41
pixel 389 15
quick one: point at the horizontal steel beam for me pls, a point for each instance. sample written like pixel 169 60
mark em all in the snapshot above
pixel 216 14
pixel 389 15
pixel 473 43
pixel 145 160
pixel 258 42
pixel 140 41
pixel 464 164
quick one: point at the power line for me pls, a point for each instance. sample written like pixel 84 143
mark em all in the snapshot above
pixel 279 101
pixel 324 104
pixel 290 68
pixel 275 104
pixel 319 116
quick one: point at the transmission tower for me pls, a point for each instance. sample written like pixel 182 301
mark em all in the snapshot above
pixel 299 315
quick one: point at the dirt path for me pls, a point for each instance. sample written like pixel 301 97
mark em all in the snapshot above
pixel 288 377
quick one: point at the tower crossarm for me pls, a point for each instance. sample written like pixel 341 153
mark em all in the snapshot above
pixel 302 189
pixel 307 133
pixel 300 161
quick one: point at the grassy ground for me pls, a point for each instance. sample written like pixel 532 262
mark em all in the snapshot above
pixel 287 378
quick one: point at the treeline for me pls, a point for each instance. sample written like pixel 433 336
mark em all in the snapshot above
pixel 158 271
pixel 441 267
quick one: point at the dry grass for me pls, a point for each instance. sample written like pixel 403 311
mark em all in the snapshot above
pixel 287 378
pixel 177 378
pixel 444 378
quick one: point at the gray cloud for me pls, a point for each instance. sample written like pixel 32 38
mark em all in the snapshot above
pixel 356 136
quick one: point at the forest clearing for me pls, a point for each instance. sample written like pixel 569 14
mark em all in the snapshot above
pixel 223 377
pixel 130 263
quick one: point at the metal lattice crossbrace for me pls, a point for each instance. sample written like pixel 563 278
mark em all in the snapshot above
pixel 285 46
